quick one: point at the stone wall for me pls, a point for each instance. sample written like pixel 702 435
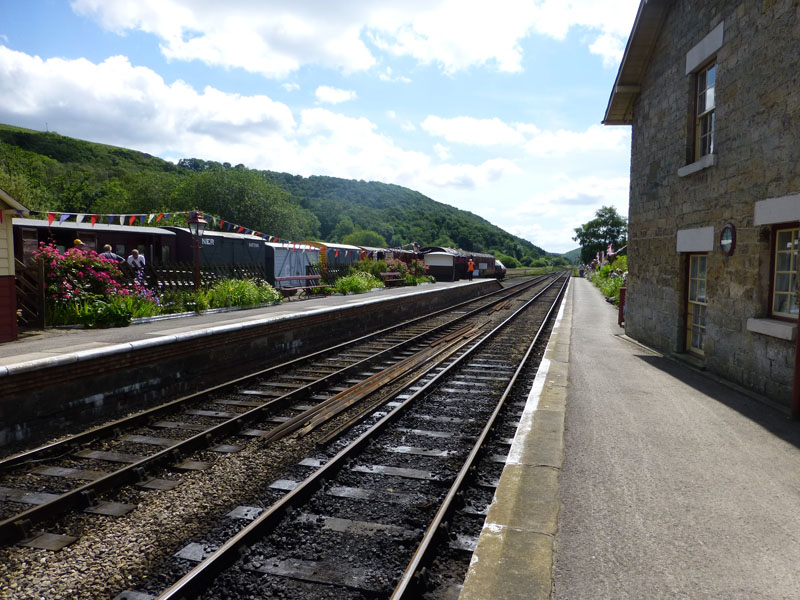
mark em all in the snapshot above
pixel 757 149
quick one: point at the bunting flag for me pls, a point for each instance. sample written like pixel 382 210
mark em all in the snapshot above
pixel 149 218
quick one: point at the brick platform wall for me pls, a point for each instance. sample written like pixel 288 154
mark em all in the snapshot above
pixel 38 404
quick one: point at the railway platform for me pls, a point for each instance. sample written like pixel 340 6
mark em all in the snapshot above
pixel 633 476
pixel 50 377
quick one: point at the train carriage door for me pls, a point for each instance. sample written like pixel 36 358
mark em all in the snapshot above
pixel 696 304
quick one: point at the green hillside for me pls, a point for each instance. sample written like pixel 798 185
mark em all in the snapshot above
pixel 573 256
pixel 50 172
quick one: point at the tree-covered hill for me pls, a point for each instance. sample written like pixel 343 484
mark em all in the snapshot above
pixel 47 171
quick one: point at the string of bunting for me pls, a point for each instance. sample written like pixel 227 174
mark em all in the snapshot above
pixel 151 218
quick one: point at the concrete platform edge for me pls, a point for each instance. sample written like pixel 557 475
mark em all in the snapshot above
pixel 202 331
pixel 514 555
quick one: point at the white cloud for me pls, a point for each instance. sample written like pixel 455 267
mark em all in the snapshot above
pixel 276 38
pixel 474 132
pixel 121 104
pixel 391 114
pixel 388 77
pixel 331 95
pixel 550 217
pixel 270 37
pixel 117 103
pixel 470 177
pixel 595 138
pixel 610 47
pixel 291 87
pixel 443 152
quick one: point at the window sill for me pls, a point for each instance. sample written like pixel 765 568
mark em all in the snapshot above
pixel 709 160
pixel 783 330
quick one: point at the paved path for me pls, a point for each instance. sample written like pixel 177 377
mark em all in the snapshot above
pixel 673 486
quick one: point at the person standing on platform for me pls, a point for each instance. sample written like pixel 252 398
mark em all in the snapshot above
pixel 470 268
pixel 107 253
pixel 136 262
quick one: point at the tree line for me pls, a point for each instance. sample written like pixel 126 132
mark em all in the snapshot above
pixel 46 171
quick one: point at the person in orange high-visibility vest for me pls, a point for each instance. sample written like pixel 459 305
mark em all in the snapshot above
pixel 470 268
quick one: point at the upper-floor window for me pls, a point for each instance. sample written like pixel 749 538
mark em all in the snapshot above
pixel 704 122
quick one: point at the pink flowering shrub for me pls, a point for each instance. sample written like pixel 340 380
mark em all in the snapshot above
pixel 83 287
pixel 78 274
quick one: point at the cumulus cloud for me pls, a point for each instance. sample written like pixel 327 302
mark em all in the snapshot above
pixel 387 76
pixel 474 132
pixel 470 177
pixel 119 103
pixel 568 203
pixel 331 95
pixel 276 38
pixel 563 142
pixel 443 152
pixel 543 143
pixel 291 87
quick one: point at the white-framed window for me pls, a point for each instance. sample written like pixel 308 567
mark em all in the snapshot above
pixel 783 296
pixel 697 304
pixel 705 104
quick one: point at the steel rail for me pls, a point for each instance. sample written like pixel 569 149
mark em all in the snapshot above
pixel 19 526
pixel 143 416
pixel 408 586
pixel 194 582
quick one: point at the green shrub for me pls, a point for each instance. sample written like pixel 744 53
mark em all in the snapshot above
pixel 101 314
pixel 90 311
pixel 610 285
pixel 241 292
pixel 373 267
pixel 358 283
pixel 179 301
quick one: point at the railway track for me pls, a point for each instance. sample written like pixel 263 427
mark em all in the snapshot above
pixel 149 449
pixel 394 508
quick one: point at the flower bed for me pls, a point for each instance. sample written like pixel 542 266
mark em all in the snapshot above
pixel 84 288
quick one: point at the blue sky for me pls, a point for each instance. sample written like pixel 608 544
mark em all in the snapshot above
pixel 491 107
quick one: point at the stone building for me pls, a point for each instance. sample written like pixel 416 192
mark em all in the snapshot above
pixel 712 91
